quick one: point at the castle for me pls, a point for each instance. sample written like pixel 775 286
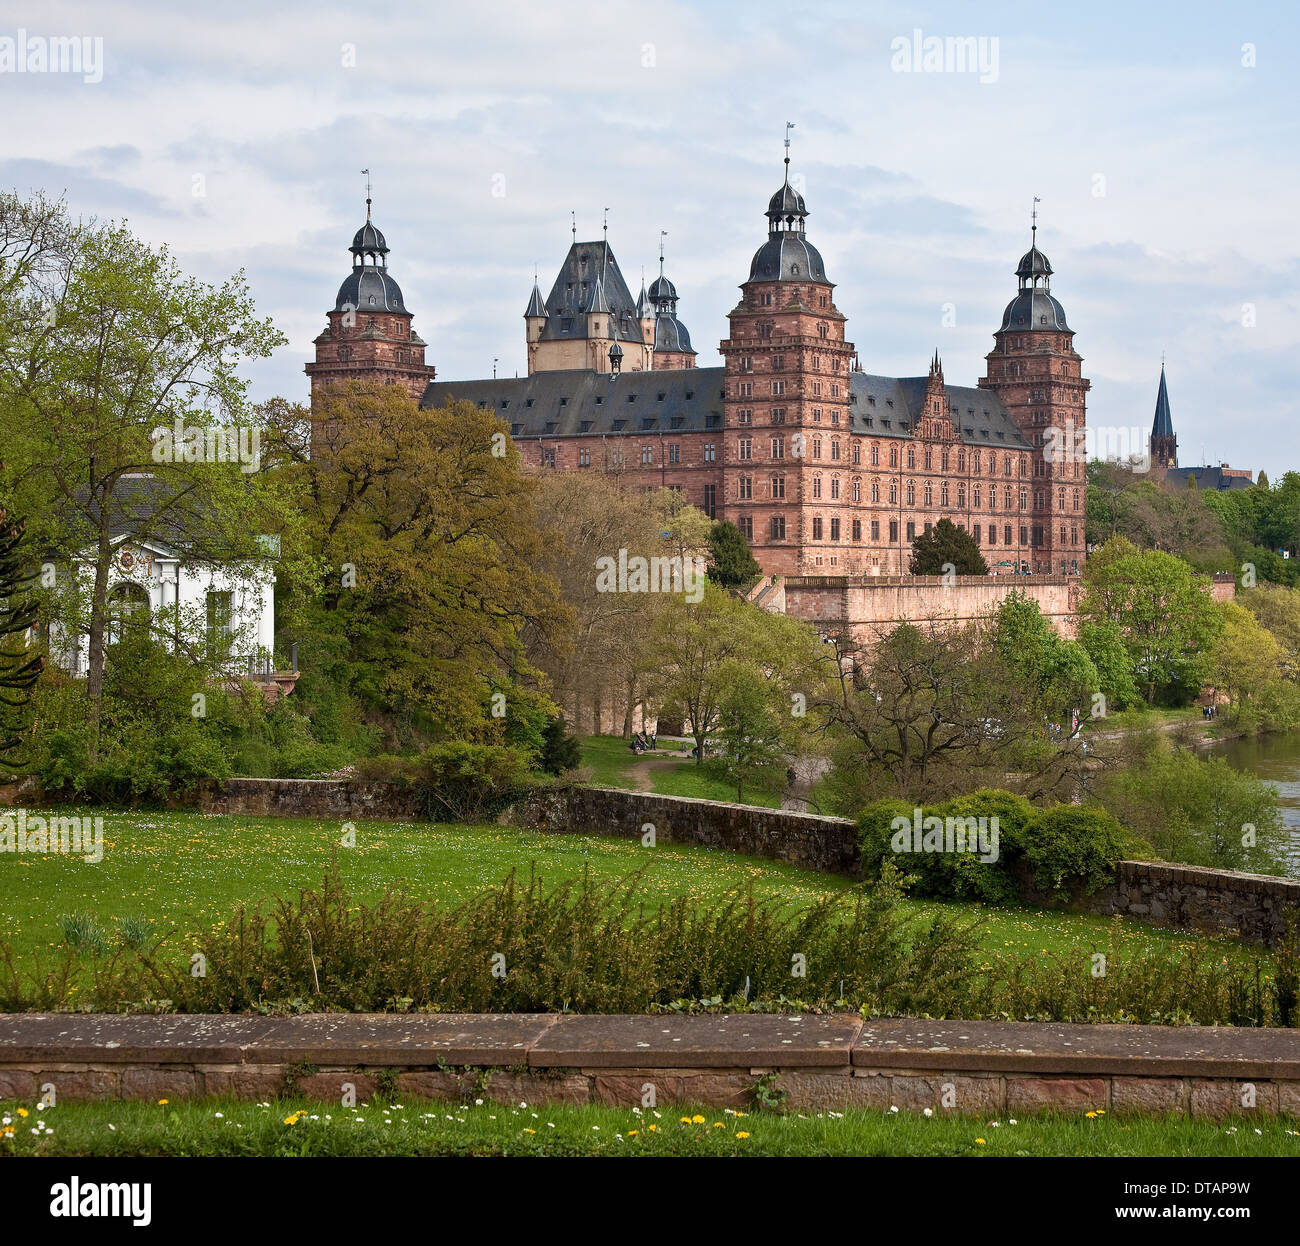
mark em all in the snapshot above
pixel 827 469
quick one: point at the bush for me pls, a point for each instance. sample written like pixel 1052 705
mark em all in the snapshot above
pixel 1061 850
pixel 470 782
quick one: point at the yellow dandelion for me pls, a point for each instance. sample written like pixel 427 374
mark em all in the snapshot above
pixel 980 1141
pixel 162 1101
pixel 632 1133
pixel 686 1120
pixel 530 1131
pixel 697 1120
pixel 742 1134
pixel 22 1111
pixel 1090 1115
pixel 653 1128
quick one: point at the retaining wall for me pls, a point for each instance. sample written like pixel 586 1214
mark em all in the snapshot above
pixel 819 1062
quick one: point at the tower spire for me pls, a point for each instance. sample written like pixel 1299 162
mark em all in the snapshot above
pixel 367 173
pixel 789 125
pixel 663 233
pixel 1033 216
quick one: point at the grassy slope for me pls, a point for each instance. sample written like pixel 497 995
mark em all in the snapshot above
pixel 612 762
pixel 188 872
pixel 222 1127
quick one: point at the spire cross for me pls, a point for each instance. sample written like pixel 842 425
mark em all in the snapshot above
pixel 367 173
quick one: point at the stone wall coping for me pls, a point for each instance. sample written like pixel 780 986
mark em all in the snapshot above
pixel 1203 876
pixel 687 802
pixel 709 1041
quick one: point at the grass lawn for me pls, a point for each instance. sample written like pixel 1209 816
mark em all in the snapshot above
pixel 188 871
pixel 665 770
pixel 411 1127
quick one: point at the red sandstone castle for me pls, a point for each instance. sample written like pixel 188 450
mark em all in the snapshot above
pixel 826 469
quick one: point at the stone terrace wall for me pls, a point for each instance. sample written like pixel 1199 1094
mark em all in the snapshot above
pixel 307 798
pixel 1187 897
pixel 815 843
pixel 1253 905
pixel 953 1068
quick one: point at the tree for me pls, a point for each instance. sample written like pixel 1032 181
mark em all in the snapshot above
pixel 697 650
pixel 1164 613
pixel 1060 672
pixel 1245 662
pixel 422 529
pixel 112 343
pixel 20 664
pixel 930 712
pixel 947 546
pixel 1199 811
pixel 732 563
pixel 753 735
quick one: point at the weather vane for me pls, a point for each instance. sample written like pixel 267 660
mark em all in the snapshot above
pixel 367 173
pixel 1034 216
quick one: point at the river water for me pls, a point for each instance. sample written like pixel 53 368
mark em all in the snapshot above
pixel 1275 758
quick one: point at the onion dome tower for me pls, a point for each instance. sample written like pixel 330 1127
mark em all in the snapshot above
pixel 369 334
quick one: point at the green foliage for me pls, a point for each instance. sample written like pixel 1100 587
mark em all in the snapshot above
pixel 946 545
pixel 1061 672
pixel 20 664
pixel 731 562
pixel 1062 850
pixel 457 781
pixel 752 736
pixel 560 750
pixel 1199 811
pixel 83 933
pixel 1166 619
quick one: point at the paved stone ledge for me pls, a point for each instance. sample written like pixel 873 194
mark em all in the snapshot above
pixel 817 1062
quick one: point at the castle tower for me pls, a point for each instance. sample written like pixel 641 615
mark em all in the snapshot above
pixel 1163 445
pixel 672 342
pixel 589 310
pixel 1036 372
pixel 785 444
pixel 369 335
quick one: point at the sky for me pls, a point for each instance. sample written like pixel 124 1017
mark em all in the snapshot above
pixel 1160 138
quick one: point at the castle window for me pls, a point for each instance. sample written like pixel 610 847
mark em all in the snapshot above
pixel 711 501
pixel 911 530
pixel 744 448
pixel 857 491
pixel 857 454
pixel 857 529
pixel 710 452
pixel 911 458
pixel 745 416
pixel 975 533
pixel 835 487
pixel 817 487
pixel 674 453
pixel 835 528
pixel 943 494
pixel 548 457
pixel 777 527
pixel 778 415
pixel 584 426
pixel 817 527
pixel 816 447
pixel 778 447
pixel 893 456
pixel 875 491
pixel 747 527
pixel 584 458
pixel 778 486
pixel 835 449
pixel 550 426
pixel 746 488
pixel 893 529
pixel 911 493
pixel 647 456
pixel 929 494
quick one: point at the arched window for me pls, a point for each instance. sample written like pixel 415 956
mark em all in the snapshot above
pixel 128 611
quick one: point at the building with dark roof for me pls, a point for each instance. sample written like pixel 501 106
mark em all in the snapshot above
pixel 826 469
pixel 1164 454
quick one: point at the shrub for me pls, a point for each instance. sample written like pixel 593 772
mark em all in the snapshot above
pixel 1060 850
pixel 470 782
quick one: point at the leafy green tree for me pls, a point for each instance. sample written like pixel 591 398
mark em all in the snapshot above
pixel 1103 642
pixel 560 750
pixel 20 663
pixel 731 562
pixel 753 731
pixel 1199 811
pixel 946 545
pixel 426 556
pixel 1060 671
pixel 1163 610
pixel 110 343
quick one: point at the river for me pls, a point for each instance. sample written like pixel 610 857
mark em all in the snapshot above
pixel 1275 758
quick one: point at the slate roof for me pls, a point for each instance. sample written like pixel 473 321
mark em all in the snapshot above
pixel 1206 478
pixel 787 256
pixel 588 265
pixel 1163 424
pixel 583 403
pixel 671 334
